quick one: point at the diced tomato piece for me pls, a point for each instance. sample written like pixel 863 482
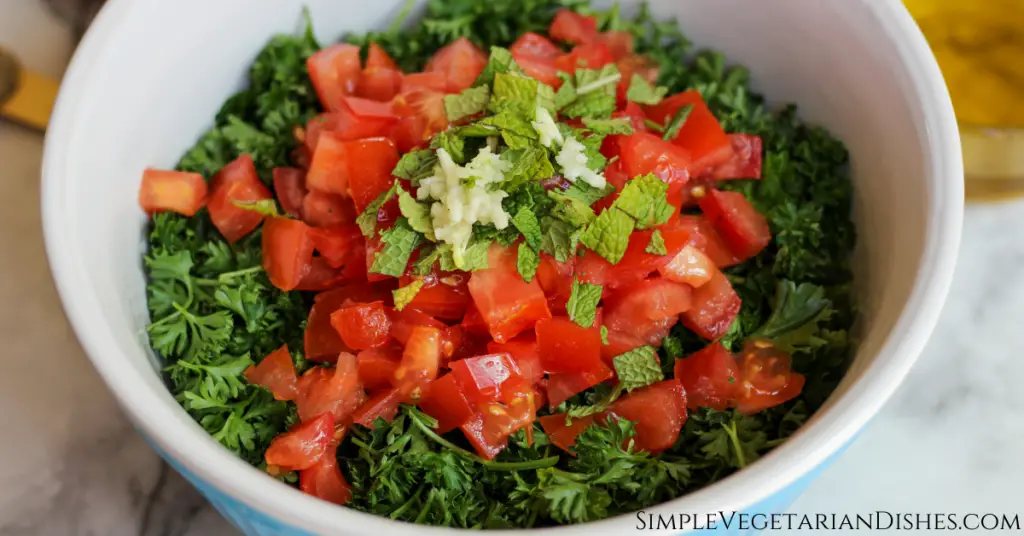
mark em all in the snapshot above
pixel 335 71
pixel 536 45
pixel 640 303
pixel 486 446
pixel 710 377
pixel 325 481
pixel 637 263
pixel 566 347
pixel 432 81
pixel 322 342
pixel 746 159
pixel 658 413
pixel 376 56
pixel 382 405
pixel 541 69
pixel 239 182
pixel 644 153
pixel 360 168
pixel 555 279
pixel 321 276
pixel 589 56
pixel 594 269
pixel 420 362
pixel 377 366
pixel 572 27
pixel 741 226
pixel 379 84
pixel 701 135
pixel 704 237
pixel 336 244
pixel 462 62
pixel 336 391
pixel 287 251
pixel 690 266
pixel 329 170
pixel 376 120
pixel 177 191
pixel 635 64
pixel 564 435
pixel 402 323
pixel 482 378
pixel 637 119
pixel 445 297
pixel 515 411
pixel 474 321
pixel 765 378
pixel 302 446
pixel 321 209
pixel 523 351
pixel 290 187
pixel 618 344
pixel 508 304
pixel 446 403
pixel 715 306
pixel 562 387
pixel 276 372
pixel 620 43
pixel 362 325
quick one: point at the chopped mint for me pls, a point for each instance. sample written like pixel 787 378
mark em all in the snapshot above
pixel 399 242
pixel 644 198
pixel 367 221
pixel 470 102
pixel 657 244
pixel 526 222
pixel 642 92
pixel 608 236
pixel 404 295
pixel 527 262
pixel 676 124
pixel 582 305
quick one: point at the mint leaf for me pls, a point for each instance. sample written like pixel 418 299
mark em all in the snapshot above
pixel 417 213
pixel 515 87
pixel 546 97
pixel 526 222
pixel 638 368
pixel 367 221
pixel 416 166
pixel 429 255
pixel 470 102
pixel 404 295
pixel 604 335
pixel 591 94
pixel 501 61
pixel 266 207
pixel 399 243
pixel 642 92
pixel 528 164
pixel 657 244
pixel 475 257
pixel 515 122
pixel 586 193
pixel 582 305
pixel 609 126
pixel 527 262
pixel 644 198
pixel 608 236
pixel 451 142
pixel 559 239
pixel 570 210
pixel 676 124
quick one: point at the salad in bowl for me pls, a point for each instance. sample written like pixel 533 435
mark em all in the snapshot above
pixel 501 269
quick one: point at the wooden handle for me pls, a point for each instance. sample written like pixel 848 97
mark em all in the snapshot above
pixel 25 96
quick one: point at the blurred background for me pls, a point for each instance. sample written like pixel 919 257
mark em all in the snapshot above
pixel 947 442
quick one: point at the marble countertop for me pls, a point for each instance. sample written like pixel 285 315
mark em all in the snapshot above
pixel 948 441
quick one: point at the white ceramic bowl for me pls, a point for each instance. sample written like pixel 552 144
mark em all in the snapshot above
pixel 150 74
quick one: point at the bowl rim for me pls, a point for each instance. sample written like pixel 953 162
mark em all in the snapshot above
pixel 171 428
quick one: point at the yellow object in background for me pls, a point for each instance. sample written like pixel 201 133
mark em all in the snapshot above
pixel 979 45
pixel 32 101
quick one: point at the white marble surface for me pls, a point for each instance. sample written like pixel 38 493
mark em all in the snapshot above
pixel 71 465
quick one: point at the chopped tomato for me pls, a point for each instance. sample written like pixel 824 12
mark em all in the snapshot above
pixel 572 27
pixel 177 191
pixel 709 376
pixel 376 120
pixel 432 81
pixel 325 481
pixel 746 159
pixel 287 251
pixel 382 405
pixel 508 304
pixel 690 266
pixel 402 323
pixel 715 306
pixel 517 410
pixel 335 72
pixel 618 344
pixel 635 64
pixel 239 182
pixel 446 403
pixel 589 56
pixel 336 244
pixel 290 187
pixel 321 341
pixel 744 229
pixel 420 362
pixel 276 372
pixel 658 413
pixel 422 115
pixel 486 445
pixel 633 308
pixel 321 209
pixel 705 238
pixel 637 263
pixel 555 279
pixel 321 276
pixel 382 79
pixel 566 347
pixel 474 322
pixel 561 387
pixel 523 351
pixel 302 446
pixel 329 170
pixel 644 153
pixel 765 378
pixel 542 69
pixel 620 43
pixel 482 378
pixel 564 435
pixel 362 325
pixel 637 119
pixel 594 269
pixel 360 168
pixel 377 366
pixel 445 297
pixel 701 135
pixel 462 62
pixel 336 391
pixel 536 45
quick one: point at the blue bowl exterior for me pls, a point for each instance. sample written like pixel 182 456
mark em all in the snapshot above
pixel 255 523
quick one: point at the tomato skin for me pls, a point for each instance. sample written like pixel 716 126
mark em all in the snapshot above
pixel 643 153
pixel 744 229
pixel 485 445
pixel 637 264
pixel 442 296
pixel 377 366
pixel 420 363
pixel 639 304
pixel 290 187
pixel 462 62
pixel 689 266
pixel 508 305
pixel 321 341
pixel 336 244
pixel 561 387
pixel 635 64
pixel 237 181
pixel 620 43
pixel 276 372
pixel 658 412
pixel 336 391
pixel 370 162
pixel 572 27
pixel 562 435
pixel 524 353
pixel 704 237
pixel 446 403
pixel 588 55
pixel 325 481
pixel 335 72
pixel 383 404
pixel 541 69
pixel 320 209
pixel 709 376
pixel 302 446
pixel 362 325
pixel 176 191
pixel 555 279
pixel 329 171
pixel 422 114
pixel 379 83
pixel 765 378
pixel 567 347
pixel 402 323
pixel 701 135
pixel 715 306
pixel 746 159
pixel 321 276
pixel 432 81
pixel 287 252
pixel 536 45
pixel 483 378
